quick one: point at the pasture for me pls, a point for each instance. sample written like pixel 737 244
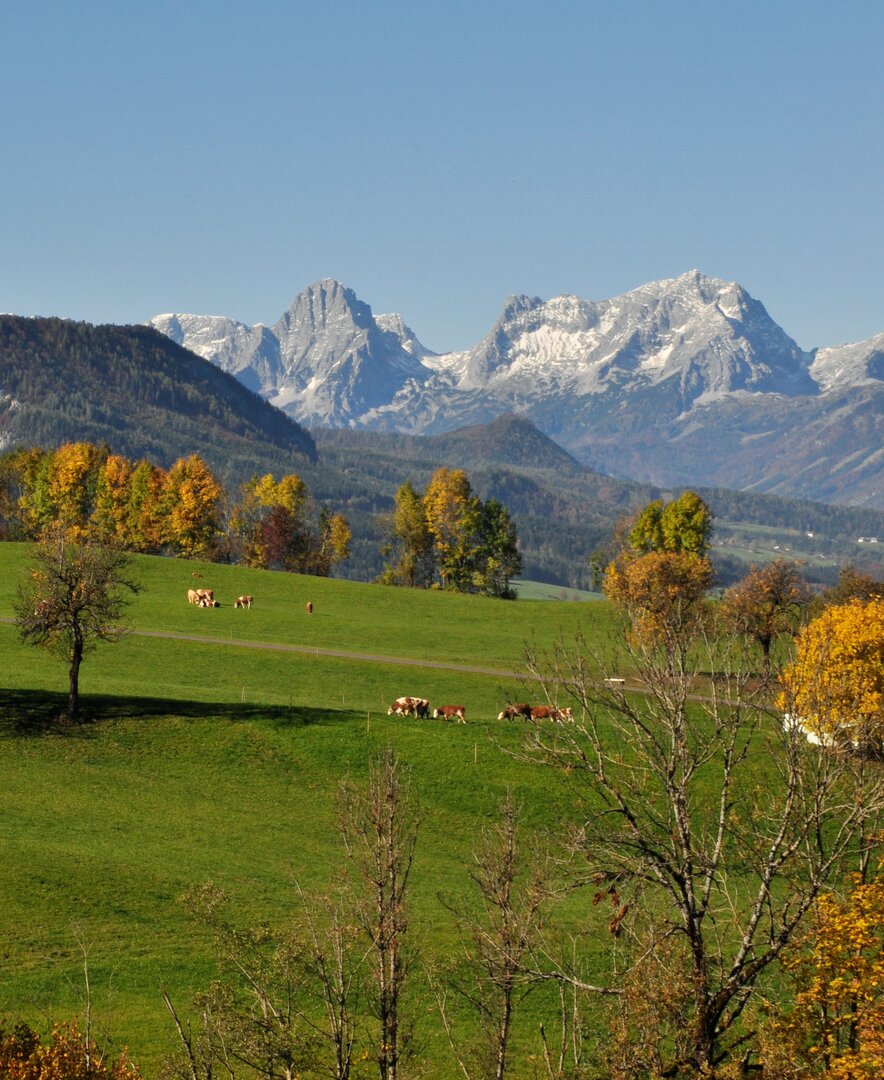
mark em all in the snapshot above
pixel 212 757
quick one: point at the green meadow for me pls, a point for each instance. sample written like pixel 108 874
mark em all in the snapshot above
pixel 210 757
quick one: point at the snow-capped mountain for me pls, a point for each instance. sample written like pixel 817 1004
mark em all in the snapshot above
pixel 667 383
pixel 326 360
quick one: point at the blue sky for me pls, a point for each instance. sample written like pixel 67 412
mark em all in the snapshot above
pixel 218 157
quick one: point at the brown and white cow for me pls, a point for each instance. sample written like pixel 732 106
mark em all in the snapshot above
pixel 512 712
pixel 563 714
pixel 193 597
pixel 206 594
pixel 451 712
pixel 410 706
pixel 243 601
pixel 542 712
pixel 308 607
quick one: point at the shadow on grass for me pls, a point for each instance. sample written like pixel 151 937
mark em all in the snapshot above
pixel 38 712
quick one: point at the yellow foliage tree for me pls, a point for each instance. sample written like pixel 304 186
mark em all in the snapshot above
pixel 67 1055
pixel 836 1028
pixel 72 477
pixel 60 488
pixel 110 518
pixel 446 501
pixel 190 502
pixel 835 686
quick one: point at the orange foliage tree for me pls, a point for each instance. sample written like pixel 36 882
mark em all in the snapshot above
pixel 768 602
pixel 661 593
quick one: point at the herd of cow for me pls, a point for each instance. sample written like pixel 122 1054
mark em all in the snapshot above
pixel 206 598
pixel 418 706
pixel 408 706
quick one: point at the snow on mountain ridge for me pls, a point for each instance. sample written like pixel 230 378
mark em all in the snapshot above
pixel 328 360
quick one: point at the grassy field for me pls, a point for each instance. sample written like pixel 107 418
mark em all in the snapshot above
pixel 216 759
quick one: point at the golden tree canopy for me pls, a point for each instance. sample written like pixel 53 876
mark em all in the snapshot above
pixel 835 686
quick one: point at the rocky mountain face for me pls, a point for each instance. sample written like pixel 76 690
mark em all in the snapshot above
pixel 683 381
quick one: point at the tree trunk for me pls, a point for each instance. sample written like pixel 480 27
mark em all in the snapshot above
pixel 74 678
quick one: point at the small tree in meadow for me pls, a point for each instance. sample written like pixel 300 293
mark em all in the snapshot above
pixel 73 598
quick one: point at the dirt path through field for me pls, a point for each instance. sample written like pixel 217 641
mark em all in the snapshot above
pixel 311 650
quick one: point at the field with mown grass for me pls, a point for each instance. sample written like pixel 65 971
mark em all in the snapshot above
pixel 209 757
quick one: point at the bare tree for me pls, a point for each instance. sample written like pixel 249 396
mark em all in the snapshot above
pixel 379 825
pixel 708 818
pixel 73 598
pixel 497 936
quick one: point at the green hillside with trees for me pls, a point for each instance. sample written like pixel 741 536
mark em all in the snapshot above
pixel 237 857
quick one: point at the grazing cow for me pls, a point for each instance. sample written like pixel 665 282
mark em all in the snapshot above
pixel 309 607
pixel 512 712
pixel 193 597
pixel 410 706
pixel 451 712
pixel 542 712
pixel 206 594
pixel 563 714
pixel 243 601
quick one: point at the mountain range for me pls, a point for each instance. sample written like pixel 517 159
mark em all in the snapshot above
pixel 681 381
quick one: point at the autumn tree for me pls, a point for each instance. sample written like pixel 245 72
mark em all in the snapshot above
pixel 67 1054
pixel 144 524
pixel 835 1029
pixel 768 602
pixel 282 529
pixel 61 488
pixel 662 595
pixel 15 469
pixel 470 543
pixel 834 688
pixel 853 584
pixel 189 505
pixel 716 864
pixel 73 598
pixel 332 543
pixel 109 523
pixel 447 501
pixel 409 545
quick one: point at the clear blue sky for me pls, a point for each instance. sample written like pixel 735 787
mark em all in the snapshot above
pixel 218 157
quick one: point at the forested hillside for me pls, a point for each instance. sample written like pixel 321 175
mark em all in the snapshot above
pixel 133 389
